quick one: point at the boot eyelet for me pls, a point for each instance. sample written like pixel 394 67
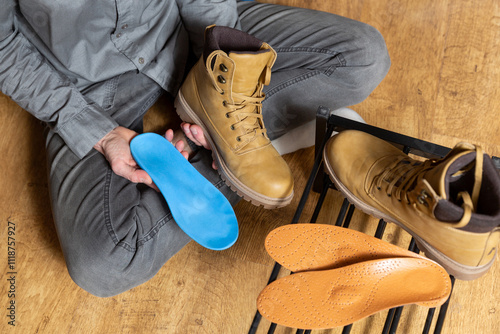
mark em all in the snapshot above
pixel 223 68
pixel 227 115
pixel 232 128
pixel 222 93
pixel 378 188
pixel 421 200
pixel 238 139
pixel 224 103
pixel 389 195
pixel 221 79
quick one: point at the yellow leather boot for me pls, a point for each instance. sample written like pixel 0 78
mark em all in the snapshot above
pixel 451 206
pixel 223 95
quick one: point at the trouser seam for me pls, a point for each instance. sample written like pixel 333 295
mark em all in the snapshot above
pixel 328 72
pixel 107 218
pixel 152 232
pixel 304 49
pixel 291 82
pixel 343 63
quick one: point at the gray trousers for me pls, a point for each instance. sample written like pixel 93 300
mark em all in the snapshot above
pixel 116 235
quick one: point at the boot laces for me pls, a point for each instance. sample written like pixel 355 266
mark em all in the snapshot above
pixel 470 201
pixel 402 177
pixel 247 110
pixel 404 174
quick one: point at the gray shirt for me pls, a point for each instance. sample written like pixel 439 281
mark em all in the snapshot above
pixel 50 50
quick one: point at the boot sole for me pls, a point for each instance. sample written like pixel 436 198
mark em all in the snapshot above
pixel 188 115
pixel 458 270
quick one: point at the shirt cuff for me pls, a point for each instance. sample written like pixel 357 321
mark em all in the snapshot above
pixel 85 129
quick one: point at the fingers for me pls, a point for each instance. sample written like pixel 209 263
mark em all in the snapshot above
pixel 186 127
pixel 177 138
pixel 195 134
pixel 169 135
pixel 130 171
pixel 179 146
pixel 199 136
pixel 141 176
pixel 115 147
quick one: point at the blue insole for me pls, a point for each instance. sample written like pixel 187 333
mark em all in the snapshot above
pixel 199 208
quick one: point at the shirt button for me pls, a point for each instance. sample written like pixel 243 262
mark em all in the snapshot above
pixel 125 26
pixel 141 60
pixel 118 35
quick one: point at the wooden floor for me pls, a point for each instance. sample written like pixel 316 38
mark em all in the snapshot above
pixel 443 87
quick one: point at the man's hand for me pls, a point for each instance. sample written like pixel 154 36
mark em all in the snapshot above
pixel 195 134
pixel 115 147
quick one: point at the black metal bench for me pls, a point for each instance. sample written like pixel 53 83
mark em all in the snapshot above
pixel 319 182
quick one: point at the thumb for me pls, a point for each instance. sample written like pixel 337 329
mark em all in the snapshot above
pixel 141 176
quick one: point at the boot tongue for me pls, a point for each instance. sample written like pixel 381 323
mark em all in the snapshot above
pixel 248 69
pixel 452 169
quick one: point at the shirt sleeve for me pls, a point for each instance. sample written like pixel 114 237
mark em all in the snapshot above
pixel 196 15
pixel 28 79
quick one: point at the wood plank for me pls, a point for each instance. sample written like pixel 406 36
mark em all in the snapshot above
pixel 468 104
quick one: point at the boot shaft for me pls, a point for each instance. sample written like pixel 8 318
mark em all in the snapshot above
pixel 251 59
pixel 464 187
pixel 228 81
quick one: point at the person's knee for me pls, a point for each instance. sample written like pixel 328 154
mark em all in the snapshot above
pixel 93 278
pixel 107 272
pixel 378 53
pixel 106 268
pixel 374 60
